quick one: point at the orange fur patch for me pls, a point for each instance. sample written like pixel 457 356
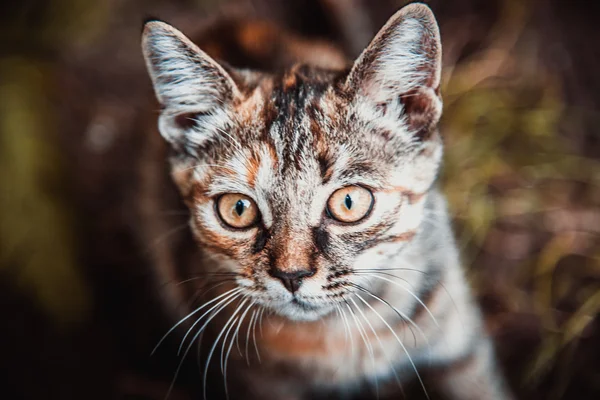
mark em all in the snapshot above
pixel 409 194
pixel 300 340
pixel 252 167
pixel 403 237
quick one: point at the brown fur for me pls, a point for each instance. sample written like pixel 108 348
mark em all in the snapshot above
pixel 287 135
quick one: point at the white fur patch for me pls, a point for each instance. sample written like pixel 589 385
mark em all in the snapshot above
pixel 400 67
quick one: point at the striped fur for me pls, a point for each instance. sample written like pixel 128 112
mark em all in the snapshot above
pixel 288 140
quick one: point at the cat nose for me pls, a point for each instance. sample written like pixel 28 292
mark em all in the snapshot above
pixel 291 280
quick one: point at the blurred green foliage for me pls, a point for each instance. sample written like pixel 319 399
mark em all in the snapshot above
pixel 521 195
pixel 38 248
pixel 36 245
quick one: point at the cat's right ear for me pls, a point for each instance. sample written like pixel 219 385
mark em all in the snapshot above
pixel 188 83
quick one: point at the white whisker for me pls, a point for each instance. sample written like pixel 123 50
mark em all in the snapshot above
pixel 224 343
pixel 237 341
pixel 399 342
pixel 166 235
pixel 367 342
pixel 370 274
pixel 187 317
pixel 216 342
pixel 337 308
pixel 235 292
pixel 259 319
pixel 248 336
pixel 260 322
pixel 412 294
pixel 352 349
pixel 383 348
pixel 194 339
pixel 235 336
pixel 402 315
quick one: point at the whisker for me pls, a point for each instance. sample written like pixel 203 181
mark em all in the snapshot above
pixel 402 316
pixel 261 322
pixel 196 278
pixel 262 311
pixel 393 269
pixel 235 336
pixel 202 289
pixel 194 339
pixel 188 316
pixel 248 336
pixel 349 332
pixel 237 340
pixel 199 345
pixel 423 272
pixel 198 292
pixel 339 312
pixel 231 344
pixel 360 329
pixel 399 342
pixel 232 277
pixel 166 235
pixel 363 334
pixel 370 273
pixel 236 292
pixel 222 351
pixel 412 294
pixel 224 343
pixel 383 349
pixel 216 342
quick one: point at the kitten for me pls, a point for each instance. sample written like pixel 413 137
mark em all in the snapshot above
pixel 312 198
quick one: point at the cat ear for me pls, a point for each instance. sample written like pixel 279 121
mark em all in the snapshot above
pixel 188 83
pixel 402 66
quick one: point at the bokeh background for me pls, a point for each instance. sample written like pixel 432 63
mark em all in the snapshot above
pixel 522 176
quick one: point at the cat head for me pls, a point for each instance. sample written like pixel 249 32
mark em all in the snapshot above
pixel 296 182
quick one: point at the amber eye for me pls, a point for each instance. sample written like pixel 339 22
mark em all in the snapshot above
pixel 237 210
pixel 350 204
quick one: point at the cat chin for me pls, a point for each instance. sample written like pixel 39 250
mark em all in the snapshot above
pixel 301 312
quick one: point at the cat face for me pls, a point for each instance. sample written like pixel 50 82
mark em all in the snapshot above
pixel 297 182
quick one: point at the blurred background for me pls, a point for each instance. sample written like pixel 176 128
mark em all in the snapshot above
pixel 522 175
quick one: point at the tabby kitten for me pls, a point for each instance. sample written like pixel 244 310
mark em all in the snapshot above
pixel 312 195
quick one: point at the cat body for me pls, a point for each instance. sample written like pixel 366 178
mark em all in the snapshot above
pixel 326 259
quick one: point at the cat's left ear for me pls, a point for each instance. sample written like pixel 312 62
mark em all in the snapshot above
pixel 188 83
pixel 403 63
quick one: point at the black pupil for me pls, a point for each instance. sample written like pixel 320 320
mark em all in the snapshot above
pixel 240 207
pixel 348 202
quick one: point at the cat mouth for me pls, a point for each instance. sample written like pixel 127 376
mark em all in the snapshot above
pixel 298 309
pixel 304 305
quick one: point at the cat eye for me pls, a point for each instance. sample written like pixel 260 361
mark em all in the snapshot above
pixel 350 204
pixel 237 210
